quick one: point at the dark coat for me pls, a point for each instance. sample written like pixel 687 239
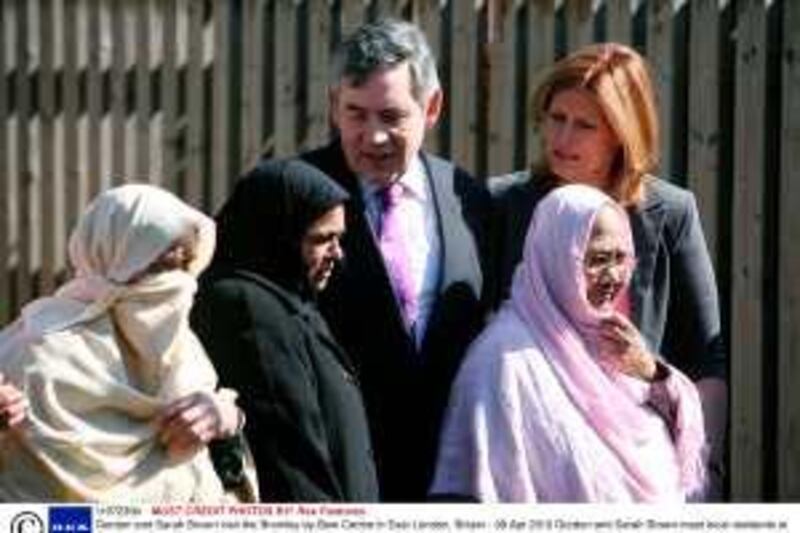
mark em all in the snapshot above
pixel 305 417
pixel 673 291
pixel 406 390
pixel 256 316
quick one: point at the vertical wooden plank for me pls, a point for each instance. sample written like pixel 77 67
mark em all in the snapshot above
pixel 221 129
pixel 253 80
pixel 285 110
pixel 501 69
pixel 34 163
pixel 155 132
pixel 5 176
pixel 61 228
pixel 541 53
pixel 119 42
pixel 130 9
pixel 579 23
pixel 703 116
pixel 12 133
pixel 45 202
pixel 618 21
pixel 382 9
pixel 249 58
pixel 659 52
pixel 94 97
pixel 789 264
pixel 747 425
pixel 427 14
pixel 74 178
pixel 388 8
pixel 143 100
pixel 463 83
pixel 169 95
pixel 26 238
pixel 319 52
pixel 194 92
pixel 353 14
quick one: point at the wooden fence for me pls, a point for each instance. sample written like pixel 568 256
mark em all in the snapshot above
pixel 187 93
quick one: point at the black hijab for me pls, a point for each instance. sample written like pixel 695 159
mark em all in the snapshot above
pixel 261 226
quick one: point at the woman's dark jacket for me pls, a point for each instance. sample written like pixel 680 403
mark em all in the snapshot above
pixel 257 318
pixel 673 291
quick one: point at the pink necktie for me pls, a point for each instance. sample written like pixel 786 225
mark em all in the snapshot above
pixel 394 248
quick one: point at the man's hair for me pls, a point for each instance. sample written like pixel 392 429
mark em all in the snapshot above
pixel 382 44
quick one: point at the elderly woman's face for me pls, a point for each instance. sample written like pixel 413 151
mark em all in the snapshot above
pixel 580 146
pixel 321 248
pixel 607 263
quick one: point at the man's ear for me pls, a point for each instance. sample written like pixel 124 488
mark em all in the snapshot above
pixel 433 108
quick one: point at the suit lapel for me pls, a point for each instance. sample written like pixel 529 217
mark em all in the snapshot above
pixel 646 223
pixel 446 206
pixel 360 241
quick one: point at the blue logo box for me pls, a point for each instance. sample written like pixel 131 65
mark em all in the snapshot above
pixel 70 519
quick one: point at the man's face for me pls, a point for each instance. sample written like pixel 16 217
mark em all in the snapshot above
pixel 381 124
pixel 321 248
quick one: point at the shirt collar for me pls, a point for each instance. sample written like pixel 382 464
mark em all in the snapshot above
pixel 413 180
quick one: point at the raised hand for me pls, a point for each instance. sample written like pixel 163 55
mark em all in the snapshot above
pixel 189 423
pixel 623 349
pixel 13 405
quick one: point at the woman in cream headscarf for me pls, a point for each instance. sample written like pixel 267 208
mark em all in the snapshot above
pixel 559 399
pixel 121 396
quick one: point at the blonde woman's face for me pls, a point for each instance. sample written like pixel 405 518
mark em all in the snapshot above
pixel 580 146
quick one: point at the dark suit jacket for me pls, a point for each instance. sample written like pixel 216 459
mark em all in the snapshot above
pixel 673 291
pixel 406 390
pixel 306 423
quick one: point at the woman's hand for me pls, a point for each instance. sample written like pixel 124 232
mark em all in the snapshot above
pixel 623 349
pixel 189 423
pixel 12 404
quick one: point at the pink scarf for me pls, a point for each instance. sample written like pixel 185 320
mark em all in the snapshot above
pixel 549 294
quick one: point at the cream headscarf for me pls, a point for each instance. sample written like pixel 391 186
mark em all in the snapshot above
pixel 102 357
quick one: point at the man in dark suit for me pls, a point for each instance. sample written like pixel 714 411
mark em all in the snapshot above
pixel 406 326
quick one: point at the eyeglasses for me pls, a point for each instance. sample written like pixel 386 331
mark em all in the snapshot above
pixel 599 262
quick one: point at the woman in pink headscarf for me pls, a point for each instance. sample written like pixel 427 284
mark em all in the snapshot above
pixel 559 399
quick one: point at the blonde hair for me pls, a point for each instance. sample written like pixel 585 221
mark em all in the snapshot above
pixel 620 81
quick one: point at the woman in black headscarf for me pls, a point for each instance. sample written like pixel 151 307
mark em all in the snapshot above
pixel 278 242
